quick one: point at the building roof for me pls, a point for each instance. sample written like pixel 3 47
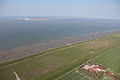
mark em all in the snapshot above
pixel 101 67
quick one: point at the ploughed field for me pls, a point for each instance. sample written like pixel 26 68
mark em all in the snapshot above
pixel 61 63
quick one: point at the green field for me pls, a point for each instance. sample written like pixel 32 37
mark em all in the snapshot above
pixel 61 63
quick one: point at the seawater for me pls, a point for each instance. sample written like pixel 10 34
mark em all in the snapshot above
pixel 16 33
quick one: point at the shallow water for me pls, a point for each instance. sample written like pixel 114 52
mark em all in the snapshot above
pixel 16 33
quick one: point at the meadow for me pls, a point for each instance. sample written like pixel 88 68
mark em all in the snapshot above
pixel 61 63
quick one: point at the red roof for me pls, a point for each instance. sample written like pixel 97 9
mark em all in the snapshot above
pixel 101 67
pixel 94 69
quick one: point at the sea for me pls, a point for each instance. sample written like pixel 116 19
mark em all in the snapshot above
pixel 17 32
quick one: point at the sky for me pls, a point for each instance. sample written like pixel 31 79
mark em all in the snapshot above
pixel 108 9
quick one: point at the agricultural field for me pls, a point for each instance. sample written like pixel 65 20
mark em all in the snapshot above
pixel 62 63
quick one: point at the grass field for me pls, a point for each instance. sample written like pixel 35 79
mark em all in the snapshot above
pixel 61 63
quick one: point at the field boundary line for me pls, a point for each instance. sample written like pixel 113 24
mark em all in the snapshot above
pixel 70 75
pixel 83 77
pixel 70 70
pixel 76 76
pixel 67 73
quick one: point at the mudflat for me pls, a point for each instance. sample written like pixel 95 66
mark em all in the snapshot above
pixel 40 47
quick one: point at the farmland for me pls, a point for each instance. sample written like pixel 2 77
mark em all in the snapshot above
pixel 61 63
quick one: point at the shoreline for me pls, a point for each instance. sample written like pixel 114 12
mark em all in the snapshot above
pixel 35 19
pixel 36 48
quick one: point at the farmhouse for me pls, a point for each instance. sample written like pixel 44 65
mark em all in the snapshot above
pixel 94 68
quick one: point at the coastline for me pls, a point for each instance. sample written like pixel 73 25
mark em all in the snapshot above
pixel 35 19
pixel 36 48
